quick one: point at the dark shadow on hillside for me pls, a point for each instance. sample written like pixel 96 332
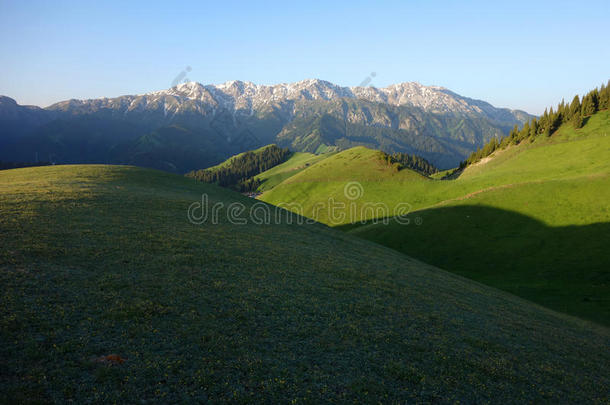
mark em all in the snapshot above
pixel 563 268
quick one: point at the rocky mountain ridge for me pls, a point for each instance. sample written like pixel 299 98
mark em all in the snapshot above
pixel 191 125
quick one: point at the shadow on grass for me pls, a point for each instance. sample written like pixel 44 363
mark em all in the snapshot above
pixel 564 268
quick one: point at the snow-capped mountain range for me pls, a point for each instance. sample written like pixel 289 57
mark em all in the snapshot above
pixel 191 125
pixel 247 97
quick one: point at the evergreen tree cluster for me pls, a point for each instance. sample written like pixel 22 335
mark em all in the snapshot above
pixel 545 125
pixel 417 163
pixel 239 173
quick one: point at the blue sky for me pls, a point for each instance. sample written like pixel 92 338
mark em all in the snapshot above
pixel 525 55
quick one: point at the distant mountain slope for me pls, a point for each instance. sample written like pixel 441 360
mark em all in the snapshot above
pixel 109 294
pixel 217 121
pixel 17 120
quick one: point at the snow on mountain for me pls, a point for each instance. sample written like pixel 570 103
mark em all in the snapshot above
pixel 238 95
pixel 244 98
pixel 211 122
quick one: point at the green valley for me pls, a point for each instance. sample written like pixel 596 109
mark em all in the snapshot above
pixel 101 262
pixel 300 203
pixel 529 219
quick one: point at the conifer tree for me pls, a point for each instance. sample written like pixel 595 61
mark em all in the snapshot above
pixel 595 100
pixel 533 128
pixel 561 109
pixel 574 107
pixel 604 96
pixel 588 107
pixel 515 132
pixel 543 121
pixel 555 123
pixel 577 120
pixel 549 121
pixel 524 133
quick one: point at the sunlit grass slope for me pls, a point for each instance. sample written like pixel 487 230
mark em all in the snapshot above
pixel 568 154
pixel 541 231
pixel 324 183
pixel 298 162
pixel 100 260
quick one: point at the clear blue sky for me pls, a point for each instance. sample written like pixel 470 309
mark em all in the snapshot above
pixel 525 55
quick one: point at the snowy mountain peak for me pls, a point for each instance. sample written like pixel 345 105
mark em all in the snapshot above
pixel 246 98
pixel 235 116
pixel 236 94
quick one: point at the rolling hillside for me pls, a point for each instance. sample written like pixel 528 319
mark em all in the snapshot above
pixel 569 153
pixel 531 219
pixel 298 162
pixel 312 191
pixel 110 294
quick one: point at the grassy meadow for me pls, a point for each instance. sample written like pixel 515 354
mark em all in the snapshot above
pixel 298 162
pixel 568 154
pixel 532 219
pixel 101 262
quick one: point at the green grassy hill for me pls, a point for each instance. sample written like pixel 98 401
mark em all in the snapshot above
pixel 100 260
pixel 535 225
pixel 313 188
pixel 568 154
pixel 298 162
